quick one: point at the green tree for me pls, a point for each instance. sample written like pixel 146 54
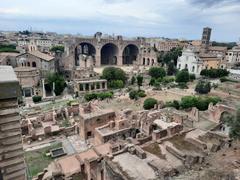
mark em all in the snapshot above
pixel 174 104
pixel 37 99
pixel 57 48
pixel 192 77
pixel 157 72
pixel 113 74
pixel 160 57
pixel 171 69
pixel 182 76
pixel 152 81
pixel 203 87
pixel 172 55
pixel 214 73
pixel 133 80
pixel 59 82
pixel 139 81
pixel 149 103
pixel 133 95
pixel 116 84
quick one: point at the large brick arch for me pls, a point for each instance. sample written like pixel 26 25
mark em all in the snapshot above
pixel 130 53
pixel 215 112
pixel 98 44
pixel 109 54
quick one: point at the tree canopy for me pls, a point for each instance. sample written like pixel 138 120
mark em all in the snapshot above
pixel 182 76
pixel 170 56
pixel 57 48
pixel 149 103
pixel 214 73
pixel 114 75
pixel 157 72
pixel 203 87
pixel 59 83
pixel 139 81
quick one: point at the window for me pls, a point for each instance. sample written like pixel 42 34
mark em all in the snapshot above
pixel 186 66
pixel 34 64
pixel 179 66
pixel 89 133
pixel 143 61
pixel 193 68
pixel 81 87
pixel 103 85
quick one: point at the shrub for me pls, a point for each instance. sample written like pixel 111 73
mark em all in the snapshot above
pixel 90 96
pixel 203 87
pixel 133 80
pixel 59 83
pixel 57 48
pixel 224 79
pixel 192 77
pixel 139 81
pixel 171 69
pixel 157 72
pixel 200 103
pixel 182 76
pixel 214 73
pixel 141 94
pixel 116 84
pixel 136 94
pixel 104 95
pixel 152 82
pixel 113 73
pixel 37 99
pixel 149 103
pixel 167 80
pixel 182 85
pixel 174 104
pixel 133 95
pixel 101 96
pixel 188 102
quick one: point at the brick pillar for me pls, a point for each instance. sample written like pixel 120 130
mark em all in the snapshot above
pixel 98 58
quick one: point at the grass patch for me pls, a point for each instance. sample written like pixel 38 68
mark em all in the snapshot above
pixel 154 149
pixel 37 160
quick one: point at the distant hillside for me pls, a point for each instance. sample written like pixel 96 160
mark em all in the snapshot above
pixel 229 45
pixel 8 48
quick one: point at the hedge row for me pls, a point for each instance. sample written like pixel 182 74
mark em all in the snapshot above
pixel 200 103
pixel 101 96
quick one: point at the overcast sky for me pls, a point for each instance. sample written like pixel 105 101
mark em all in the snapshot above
pixel 168 18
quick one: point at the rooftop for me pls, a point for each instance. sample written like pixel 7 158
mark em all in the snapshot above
pixel 7 74
pixel 41 55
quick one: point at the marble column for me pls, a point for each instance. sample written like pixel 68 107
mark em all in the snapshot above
pixel 43 90
pixel 84 87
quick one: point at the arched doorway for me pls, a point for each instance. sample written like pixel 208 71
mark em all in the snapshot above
pixel 83 52
pixel 109 54
pixel 130 54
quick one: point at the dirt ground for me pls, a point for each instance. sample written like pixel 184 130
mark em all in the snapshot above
pixel 223 165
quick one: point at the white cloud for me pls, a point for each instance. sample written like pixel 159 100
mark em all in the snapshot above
pixel 156 16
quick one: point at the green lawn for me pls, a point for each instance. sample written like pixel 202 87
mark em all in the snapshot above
pixel 37 160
